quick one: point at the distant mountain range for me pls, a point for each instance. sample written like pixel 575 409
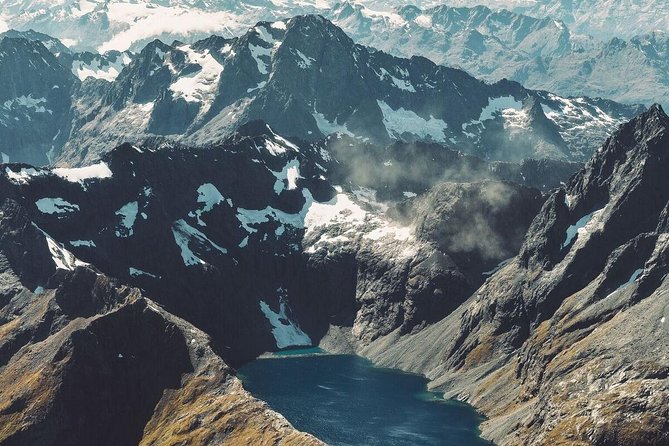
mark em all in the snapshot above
pixel 290 74
pixel 603 19
pixel 541 53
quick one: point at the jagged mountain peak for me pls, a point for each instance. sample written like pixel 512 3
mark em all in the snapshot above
pixel 51 43
pixel 287 73
pixel 623 178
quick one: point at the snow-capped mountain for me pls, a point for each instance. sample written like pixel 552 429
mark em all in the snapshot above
pixel 287 73
pixel 35 101
pixel 539 44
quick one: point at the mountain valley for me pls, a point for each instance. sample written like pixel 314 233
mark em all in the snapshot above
pixel 192 192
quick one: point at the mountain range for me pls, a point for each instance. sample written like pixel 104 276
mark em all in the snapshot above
pixel 289 74
pixel 564 340
pixel 178 198
pixel 604 19
pixel 542 53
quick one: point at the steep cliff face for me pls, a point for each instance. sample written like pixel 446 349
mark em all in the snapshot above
pixel 567 343
pixel 85 359
pixel 255 242
pixel 35 101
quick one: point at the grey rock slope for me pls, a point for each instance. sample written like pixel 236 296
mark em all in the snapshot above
pixel 567 343
pixel 291 74
pixel 541 53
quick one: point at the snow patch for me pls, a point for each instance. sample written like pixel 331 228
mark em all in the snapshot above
pixel 202 85
pixel 286 332
pixel 338 210
pixel 81 174
pixel 62 258
pixel 402 84
pixel 80 243
pixel 399 122
pixel 208 196
pixel 55 206
pixel 328 128
pixel 134 272
pixel 396 232
pixel 257 52
pixel 97 69
pixel 289 174
pixel 582 227
pixel 128 214
pixel 304 62
pixel 24 175
pixel 274 148
pixel 184 235
pixel 279 25
pixel 28 102
pixel 497 105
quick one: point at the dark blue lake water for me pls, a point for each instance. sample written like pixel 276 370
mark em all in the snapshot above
pixel 345 400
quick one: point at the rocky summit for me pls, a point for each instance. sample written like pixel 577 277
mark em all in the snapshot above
pixel 181 201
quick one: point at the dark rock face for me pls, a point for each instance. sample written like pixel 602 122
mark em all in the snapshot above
pixel 35 101
pixel 569 339
pixel 237 235
pixel 84 359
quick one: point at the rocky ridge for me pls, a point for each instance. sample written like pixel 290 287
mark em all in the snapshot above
pixel 286 73
pixel 254 229
pixel 567 342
